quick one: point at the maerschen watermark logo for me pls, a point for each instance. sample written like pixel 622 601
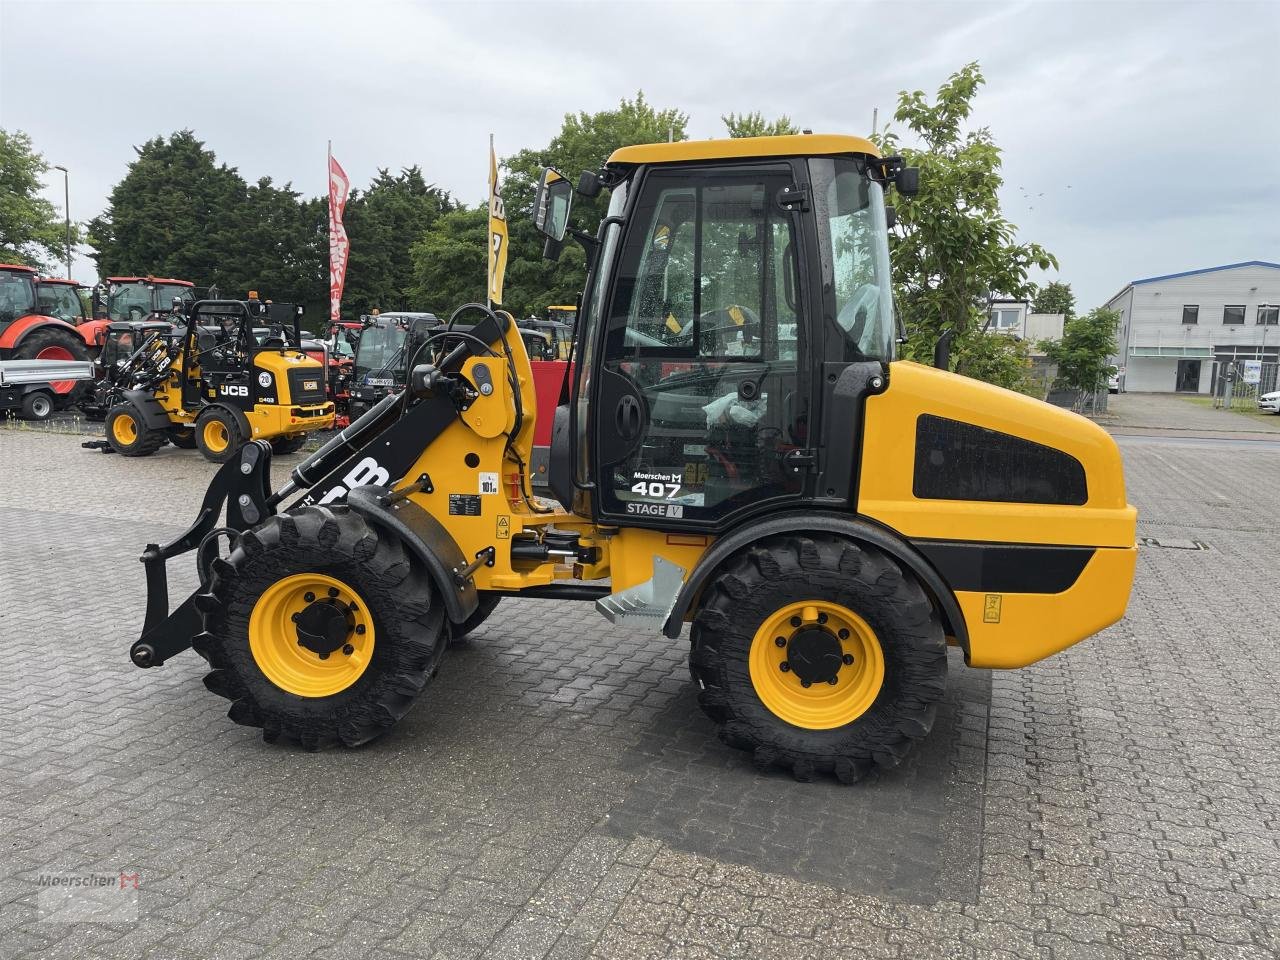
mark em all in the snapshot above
pixel 89 897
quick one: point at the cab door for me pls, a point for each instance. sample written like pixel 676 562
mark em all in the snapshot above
pixel 701 409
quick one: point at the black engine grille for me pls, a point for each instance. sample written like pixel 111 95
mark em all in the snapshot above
pixel 299 380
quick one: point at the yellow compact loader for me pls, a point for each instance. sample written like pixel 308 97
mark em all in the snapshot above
pixel 229 372
pixel 740 452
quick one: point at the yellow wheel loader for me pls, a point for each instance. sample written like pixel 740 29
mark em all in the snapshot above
pixel 225 375
pixel 740 453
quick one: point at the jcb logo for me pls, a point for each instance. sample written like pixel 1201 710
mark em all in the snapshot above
pixel 233 390
pixel 366 472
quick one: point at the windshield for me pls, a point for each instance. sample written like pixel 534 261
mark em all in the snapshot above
pixel 17 296
pixel 166 292
pixel 342 343
pixel 849 208
pixel 129 301
pixel 60 300
pixel 379 352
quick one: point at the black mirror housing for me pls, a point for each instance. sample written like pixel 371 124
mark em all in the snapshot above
pixel 589 184
pixel 907 181
pixel 552 204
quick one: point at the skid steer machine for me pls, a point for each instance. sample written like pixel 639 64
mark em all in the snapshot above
pixel 227 374
pixel 740 451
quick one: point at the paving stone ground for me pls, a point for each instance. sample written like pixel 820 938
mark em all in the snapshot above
pixel 559 794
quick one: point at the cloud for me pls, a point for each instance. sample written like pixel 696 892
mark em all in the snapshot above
pixel 1139 138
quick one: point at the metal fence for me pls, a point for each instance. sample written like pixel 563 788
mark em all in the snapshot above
pixel 1237 384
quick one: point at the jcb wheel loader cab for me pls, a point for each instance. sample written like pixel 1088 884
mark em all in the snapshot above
pixel 741 452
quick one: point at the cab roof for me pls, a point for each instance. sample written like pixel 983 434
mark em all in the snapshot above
pixel 181 283
pixel 795 145
pixel 62 280
pixel 17 266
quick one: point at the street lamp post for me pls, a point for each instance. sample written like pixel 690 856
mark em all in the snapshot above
pixel 66 209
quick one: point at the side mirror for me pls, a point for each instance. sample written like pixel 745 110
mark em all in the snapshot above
pixel 552 204
pixel 589 184
pixel 907 180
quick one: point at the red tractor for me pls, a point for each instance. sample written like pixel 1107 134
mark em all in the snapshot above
pixel 337 352
pixel 133 299
pixel 29 331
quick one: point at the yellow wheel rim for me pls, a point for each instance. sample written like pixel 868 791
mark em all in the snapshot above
pixel 124 429
pixel 826 641
pixel 311 635
pixel 215 436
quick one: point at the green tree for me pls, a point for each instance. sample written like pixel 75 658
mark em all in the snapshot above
pixel 1081 355
pixel 383 222
pixel 755 125
pixel 449 268
pixel 584 142
pixel 176 213
pixel 952 246
pixel 1055 297
pixel 31 230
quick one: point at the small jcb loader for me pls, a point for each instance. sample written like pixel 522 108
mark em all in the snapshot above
pixel 740 451
pixel 227 374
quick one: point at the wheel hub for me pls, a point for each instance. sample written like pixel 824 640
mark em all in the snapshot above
pixel 814 655
pixel 324 626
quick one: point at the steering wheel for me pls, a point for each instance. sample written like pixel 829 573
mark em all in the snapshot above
pixel 858 311
pixel 136 313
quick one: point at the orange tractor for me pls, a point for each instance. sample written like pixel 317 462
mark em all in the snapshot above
pixel 32 327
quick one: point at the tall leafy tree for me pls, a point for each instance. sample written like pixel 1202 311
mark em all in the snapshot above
pixel 953 247
pixel 755 125
pixel 383 222
pixel 31 230
pixel 584 142
pixel 1055 297
pixel 449 268
pixel 1081 354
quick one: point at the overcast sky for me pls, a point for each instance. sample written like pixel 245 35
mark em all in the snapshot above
pixel 1139 138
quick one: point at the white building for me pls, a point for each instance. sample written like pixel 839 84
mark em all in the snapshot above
pixel 1014 317
pixel 1173 328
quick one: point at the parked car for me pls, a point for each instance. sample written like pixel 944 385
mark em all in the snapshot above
pixel 1269 402
pixel 1113 383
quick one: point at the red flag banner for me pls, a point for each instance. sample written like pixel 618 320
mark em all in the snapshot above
pixel 339 187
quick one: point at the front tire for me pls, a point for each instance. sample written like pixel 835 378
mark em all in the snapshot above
pixel 128 433
pixel 37 406
pixel 820 656
pixel 261 631
pixel 52 342
pixel 218 434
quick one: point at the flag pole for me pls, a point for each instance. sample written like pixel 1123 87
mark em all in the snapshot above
pixel 488 287
pixel 328 195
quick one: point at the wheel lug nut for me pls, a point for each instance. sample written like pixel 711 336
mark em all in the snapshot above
pixel 294 618
pixel 822 618
pixel 309 596
pixel 796 621
pixel 324 656
pixel 833 681
pixel 806 683
pixel 352 606
pixel 846 660
pixel 844 634
pixel 784 666
pixel 360 629
pixel 333 591
pixel 348 649
pixel 781 641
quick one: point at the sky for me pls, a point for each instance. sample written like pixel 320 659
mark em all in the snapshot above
pixel 1139 138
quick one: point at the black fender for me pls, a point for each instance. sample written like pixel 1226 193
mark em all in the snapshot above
pixel 858 529
pixel 153 415
pixel 246 431
pixel 427 539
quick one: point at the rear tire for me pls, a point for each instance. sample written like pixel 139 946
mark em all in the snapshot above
pixel 407 632
pixel 218 434
pixel 37 406
pixel 128 433
pixel 808 728
pixel 289 443
pixel 56 343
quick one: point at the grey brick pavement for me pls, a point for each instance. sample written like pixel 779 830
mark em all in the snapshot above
pixel 558 794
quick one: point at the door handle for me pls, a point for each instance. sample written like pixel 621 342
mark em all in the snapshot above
pixel 628 418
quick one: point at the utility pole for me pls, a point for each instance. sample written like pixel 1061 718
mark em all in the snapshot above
pixel 66 209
